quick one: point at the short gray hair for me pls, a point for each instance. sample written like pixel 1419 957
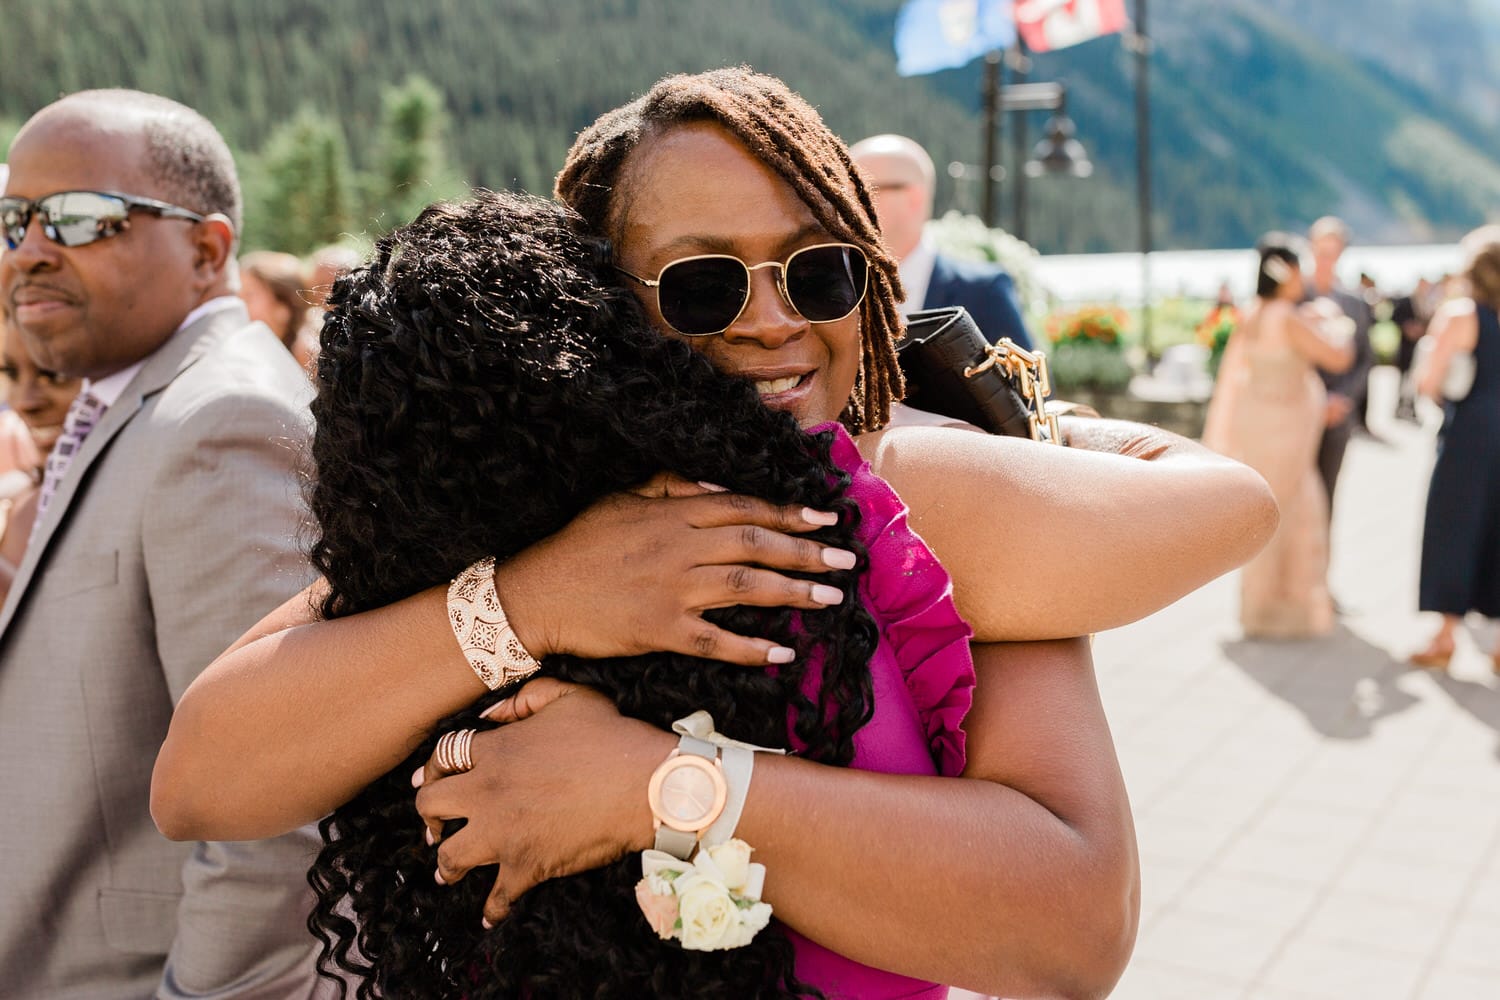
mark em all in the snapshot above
pixel 1329 225
pixel 183 150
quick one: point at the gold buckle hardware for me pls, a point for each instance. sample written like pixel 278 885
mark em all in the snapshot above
pixel 1029 370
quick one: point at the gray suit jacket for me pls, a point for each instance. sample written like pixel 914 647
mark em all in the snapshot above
pixel 175 529
pixel 1355 381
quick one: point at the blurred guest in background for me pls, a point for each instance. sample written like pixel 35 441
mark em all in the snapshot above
pixel 902 181
pixel 16 451
pixel 1346 387
pixel 326 266
pixel 1461 535
pixel 274 287
pixel 1216 327
pixel 40 401
pixel 1410 313
pixel 1267 412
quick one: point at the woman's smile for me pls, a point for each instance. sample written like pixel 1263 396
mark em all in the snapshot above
pixel 782 390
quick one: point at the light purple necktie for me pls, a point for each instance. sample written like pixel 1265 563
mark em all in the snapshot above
pixel 83 413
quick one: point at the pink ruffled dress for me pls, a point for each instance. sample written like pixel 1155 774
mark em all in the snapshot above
pixel 923 678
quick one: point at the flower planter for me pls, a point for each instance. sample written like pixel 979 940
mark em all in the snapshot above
pixel 1183 417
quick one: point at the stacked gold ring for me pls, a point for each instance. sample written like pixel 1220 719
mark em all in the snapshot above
pixel 452 753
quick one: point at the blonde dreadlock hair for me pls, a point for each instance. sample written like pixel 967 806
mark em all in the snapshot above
pixel 781 130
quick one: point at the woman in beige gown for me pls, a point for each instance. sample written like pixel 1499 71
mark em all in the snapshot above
pixel 1267 412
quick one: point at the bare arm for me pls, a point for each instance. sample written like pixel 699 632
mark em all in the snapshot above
pixel 1044 542
pixel 1454 330
pixel 300 714
pixel 1123 537
pixel 1018 879
pixel 1322 338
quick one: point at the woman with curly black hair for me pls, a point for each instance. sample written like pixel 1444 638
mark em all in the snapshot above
pixel 479 385
pixel 732 207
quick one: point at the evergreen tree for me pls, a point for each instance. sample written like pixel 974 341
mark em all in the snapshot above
pixel 8 129
pixel 412 168
pixel 1266 113
pixel 299 192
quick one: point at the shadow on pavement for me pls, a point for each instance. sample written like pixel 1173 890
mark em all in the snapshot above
pixel 1342 684
pixel 1480 700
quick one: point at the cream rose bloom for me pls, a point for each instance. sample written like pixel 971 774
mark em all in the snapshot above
pixel 710 919
pixel 754 919
pixel 733 859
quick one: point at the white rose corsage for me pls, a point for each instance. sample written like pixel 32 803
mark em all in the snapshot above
pixel 707 904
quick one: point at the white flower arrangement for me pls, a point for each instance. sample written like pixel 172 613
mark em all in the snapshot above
pixel 708 904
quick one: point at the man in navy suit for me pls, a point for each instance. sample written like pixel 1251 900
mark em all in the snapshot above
pixel 903 179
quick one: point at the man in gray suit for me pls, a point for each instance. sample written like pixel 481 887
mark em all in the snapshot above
pixel 904 182
pixel 170 526
pixel 1327 238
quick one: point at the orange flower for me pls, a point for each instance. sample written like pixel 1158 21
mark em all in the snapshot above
pixel 1097 324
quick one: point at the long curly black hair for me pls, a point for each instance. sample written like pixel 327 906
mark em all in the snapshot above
pixel 481 381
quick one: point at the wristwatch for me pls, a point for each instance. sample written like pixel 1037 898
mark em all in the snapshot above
pixel 687 793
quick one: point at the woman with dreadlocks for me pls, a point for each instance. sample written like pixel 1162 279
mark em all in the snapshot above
pixel 485 358
pixel 719 191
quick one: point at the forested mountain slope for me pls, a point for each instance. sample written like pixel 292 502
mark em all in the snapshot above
pixel 1266 112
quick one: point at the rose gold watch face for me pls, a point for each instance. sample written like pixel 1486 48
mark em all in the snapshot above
pixel 688 793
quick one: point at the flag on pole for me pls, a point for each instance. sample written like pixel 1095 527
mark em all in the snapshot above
pixel 941 34
pixel 1056 24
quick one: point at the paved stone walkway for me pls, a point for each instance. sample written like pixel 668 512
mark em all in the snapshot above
pixel 1316 821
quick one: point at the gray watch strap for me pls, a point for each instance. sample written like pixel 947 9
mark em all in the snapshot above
pixel 678 843
pixel 693 745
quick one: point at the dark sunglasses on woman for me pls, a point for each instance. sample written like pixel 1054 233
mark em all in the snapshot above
pixel 703 295
pixel 77 218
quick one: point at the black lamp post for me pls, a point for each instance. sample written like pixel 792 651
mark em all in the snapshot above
pixel 1059 153
pixel 1140 44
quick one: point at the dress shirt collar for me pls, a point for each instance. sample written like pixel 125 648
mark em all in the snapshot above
pixel 108 388
pixel 916 274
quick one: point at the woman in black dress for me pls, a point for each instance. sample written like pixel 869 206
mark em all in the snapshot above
pixel 1461 537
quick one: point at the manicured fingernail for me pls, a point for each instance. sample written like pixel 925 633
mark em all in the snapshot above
pixel 427 836
pixel 838 558
pixel 418 776
pixel 489 713
pixel 713 487
pixel 819 516
pixel 780 654
pixel 437 876
pixel 485 923
pixel 824 594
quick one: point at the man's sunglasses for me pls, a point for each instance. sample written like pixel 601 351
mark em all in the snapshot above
pixel 704 295
pixel 77 218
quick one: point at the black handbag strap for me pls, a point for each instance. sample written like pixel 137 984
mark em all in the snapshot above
pixel 953 370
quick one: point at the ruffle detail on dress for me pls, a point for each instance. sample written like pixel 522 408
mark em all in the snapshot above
pixel 911 595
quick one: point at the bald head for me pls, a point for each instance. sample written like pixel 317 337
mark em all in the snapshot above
pixel 1326 238
pixel 903 179
pixel 898 159
pixel 95 307
pixel 1329 227
pixel 180 156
